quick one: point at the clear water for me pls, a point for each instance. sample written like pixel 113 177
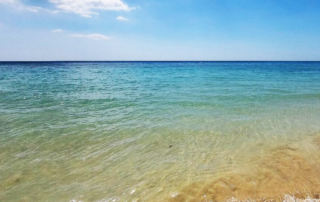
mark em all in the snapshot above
pixel 143 131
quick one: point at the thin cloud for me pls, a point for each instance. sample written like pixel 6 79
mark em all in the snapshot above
pixel 121 18
pixel 16 4
pixel 91 36
pixel 57 30
pixel 85 7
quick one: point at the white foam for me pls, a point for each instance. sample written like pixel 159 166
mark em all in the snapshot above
pixel 287 198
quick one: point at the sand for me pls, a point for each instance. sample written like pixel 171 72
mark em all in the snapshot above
pixel 285 173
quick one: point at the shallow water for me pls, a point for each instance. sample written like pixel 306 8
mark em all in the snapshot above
pixel 158 131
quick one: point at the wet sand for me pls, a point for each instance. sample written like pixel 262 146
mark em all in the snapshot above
pixel 285 173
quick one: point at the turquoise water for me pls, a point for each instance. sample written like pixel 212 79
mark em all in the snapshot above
pixel 141 131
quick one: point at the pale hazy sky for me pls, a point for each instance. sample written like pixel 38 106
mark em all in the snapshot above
pixel 159 30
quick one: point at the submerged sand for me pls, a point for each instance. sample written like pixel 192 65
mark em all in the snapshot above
pixel 284 173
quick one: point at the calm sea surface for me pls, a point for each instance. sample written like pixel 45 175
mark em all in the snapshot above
pixel 144 131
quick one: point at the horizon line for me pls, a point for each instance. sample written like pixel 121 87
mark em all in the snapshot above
pixel 17 61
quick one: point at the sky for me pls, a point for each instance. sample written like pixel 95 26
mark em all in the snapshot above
pixel 112 30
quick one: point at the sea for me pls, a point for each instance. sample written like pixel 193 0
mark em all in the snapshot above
pixel 159 131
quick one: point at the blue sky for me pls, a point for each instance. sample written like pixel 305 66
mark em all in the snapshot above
pixel 159 30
